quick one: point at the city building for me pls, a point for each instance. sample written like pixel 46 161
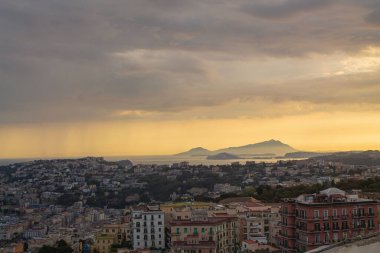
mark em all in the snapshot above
pixel 103 242
pixel 148 228
pixel 312 220
pixel 203 234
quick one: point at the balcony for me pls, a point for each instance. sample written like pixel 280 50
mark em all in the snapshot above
pixel 287 247
pixel 288 213
pixel 315 243
pixel 303 218
pixel 287 236
pixel 288 225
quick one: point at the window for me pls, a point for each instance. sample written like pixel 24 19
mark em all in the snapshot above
pixel 370 211
pixel 137 224
pixel 317 227
pixel 325 214
pixel 335 213
pixel 185 230
pixel 316 214
pixel 344 211
pixel 335 237
pixel 335 226
pixel 317 238
pixel 203 230
pixel 370 223
pixel 195 231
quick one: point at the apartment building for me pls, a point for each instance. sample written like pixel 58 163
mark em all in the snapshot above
pixel 103 242
pixel 148 228
pixel 203 234
pixel 312 220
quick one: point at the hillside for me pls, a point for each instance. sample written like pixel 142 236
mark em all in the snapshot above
pixel 222 156
pixel 199 151
pixel 368 158
pixel 301 154
pixel 274 147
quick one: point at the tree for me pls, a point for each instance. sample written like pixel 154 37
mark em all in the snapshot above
pixel 60 247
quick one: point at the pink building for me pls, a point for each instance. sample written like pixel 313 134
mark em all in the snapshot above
pixel 312 220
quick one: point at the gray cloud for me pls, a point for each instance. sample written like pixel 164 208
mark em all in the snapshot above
pixel 374 17
pixel 284 9
pixel 61 60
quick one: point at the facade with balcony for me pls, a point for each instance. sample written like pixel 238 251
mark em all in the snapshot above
pixel 313 220
pixel 148 228
pixel 209 235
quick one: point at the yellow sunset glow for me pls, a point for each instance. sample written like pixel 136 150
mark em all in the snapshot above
pixel 316 132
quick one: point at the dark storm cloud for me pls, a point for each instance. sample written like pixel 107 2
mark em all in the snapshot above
pixel 84 60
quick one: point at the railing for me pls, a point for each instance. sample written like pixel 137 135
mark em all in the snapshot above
pixel 287 236
pixel 288 225
pixel 288 213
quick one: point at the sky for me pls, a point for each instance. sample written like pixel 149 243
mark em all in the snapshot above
pixel 153 77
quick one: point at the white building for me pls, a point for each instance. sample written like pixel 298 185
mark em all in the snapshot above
pixel 148 229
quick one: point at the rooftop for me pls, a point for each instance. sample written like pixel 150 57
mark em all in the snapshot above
pixel 146 208
pixel 330 195
pixel 209 221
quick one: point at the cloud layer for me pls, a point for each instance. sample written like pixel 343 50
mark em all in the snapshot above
pixel 101 60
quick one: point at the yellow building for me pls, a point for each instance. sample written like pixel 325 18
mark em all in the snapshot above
pixel 168 208
pixel 209 235
pixel 103 242
pixel 121 231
